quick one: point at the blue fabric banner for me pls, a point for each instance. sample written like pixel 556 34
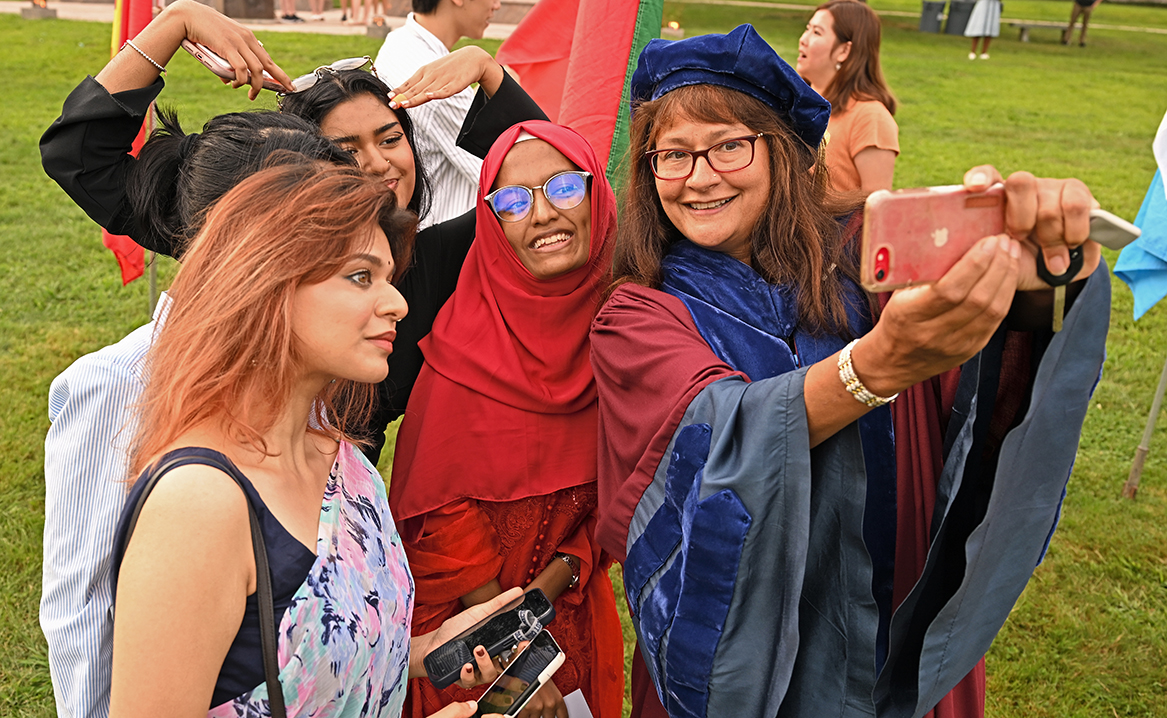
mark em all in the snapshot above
pixel 1143 263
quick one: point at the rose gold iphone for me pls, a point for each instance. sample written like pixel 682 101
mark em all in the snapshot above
pixel 222 68
pixel 914 236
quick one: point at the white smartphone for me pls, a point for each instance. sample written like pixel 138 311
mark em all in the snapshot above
pixel 527 673
pixel 1110 231
pixel 222 68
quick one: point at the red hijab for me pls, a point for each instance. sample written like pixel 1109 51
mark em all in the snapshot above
pixel 505 406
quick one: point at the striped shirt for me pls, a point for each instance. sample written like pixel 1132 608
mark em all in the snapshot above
pixel 86 467
pixel 453 171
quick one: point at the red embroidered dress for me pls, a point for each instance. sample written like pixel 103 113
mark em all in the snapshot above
pixel 495 464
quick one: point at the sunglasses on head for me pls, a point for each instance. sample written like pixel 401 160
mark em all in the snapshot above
pixel 564 191
pixel 303 82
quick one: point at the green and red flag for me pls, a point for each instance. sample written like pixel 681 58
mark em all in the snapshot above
pixel 129 18
pixel 576 58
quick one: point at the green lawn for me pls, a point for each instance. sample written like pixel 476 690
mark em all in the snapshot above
pixel 1089 636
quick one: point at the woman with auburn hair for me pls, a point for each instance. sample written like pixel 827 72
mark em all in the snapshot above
pixel 838 56
pixel 771 509
pixel 278 311
pixel 494 475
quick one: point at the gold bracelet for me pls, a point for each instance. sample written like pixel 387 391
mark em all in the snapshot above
pixel 854 386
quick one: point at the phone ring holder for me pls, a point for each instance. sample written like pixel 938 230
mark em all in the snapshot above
pixel 1077 259
pixel 530 627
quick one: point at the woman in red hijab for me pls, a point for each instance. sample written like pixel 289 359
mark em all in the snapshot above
pixel 494 476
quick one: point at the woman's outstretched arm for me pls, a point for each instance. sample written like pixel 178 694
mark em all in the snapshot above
pixel 183 20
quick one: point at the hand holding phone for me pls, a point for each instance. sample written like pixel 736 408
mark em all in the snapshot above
pixel 502 631
pixel 915 236
pixel 222 68
pixel 529 671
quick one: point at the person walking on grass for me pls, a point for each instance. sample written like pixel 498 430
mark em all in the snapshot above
pixel 984 24
pixel 1083 8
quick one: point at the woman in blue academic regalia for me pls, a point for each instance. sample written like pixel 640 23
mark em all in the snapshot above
pixel 769 505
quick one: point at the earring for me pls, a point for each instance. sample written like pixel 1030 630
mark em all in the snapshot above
pixel 838 66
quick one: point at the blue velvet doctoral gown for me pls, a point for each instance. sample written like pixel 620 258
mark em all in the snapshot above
pixel 753 570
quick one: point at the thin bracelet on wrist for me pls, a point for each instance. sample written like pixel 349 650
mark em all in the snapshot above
pixel 571 563
pixel 854 386
pixel 149 59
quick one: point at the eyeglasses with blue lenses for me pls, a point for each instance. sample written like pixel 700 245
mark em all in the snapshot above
pixel 564 191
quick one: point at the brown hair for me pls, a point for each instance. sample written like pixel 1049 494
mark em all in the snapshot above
pixel 226 351
pixel 796 242
pixel 860 77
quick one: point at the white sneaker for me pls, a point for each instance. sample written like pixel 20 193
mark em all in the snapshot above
pixel 984 56
pixel 972 56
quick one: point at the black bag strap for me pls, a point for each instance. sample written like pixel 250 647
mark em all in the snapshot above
pixel 263 588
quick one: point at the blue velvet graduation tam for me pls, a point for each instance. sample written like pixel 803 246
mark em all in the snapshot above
pixel 740 60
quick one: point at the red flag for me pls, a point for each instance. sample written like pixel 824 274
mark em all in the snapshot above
pixel 575 58
pixel 130 17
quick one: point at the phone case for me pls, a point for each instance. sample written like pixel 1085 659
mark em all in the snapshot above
pixel 1110 231
pixel 523 678
pixel 221 68
pixel 499 632
pixel 914 236
pixel 525 698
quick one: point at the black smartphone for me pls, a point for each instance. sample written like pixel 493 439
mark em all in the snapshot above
pixel 527 673
pixel 520 620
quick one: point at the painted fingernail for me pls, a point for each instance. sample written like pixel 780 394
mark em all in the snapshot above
pixel 977 178
pixel 1058 265
pixel 480 651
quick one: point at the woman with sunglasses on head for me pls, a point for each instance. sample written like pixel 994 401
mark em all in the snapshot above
pixel 793 545
pixel 353 109
pixel 494 468
pixel 86 151
pixel 838 56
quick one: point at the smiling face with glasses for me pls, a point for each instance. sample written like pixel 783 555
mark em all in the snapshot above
pixel 713 181
pixel 545 210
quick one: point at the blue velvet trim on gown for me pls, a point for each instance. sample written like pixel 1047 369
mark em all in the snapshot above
pixel 691 600
pixel 753 326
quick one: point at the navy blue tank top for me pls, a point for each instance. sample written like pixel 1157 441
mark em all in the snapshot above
pixel 290 562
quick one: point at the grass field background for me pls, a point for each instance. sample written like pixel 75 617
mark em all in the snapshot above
pixel 1088 637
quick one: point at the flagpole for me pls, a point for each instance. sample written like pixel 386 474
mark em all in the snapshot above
pixel 1131 487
